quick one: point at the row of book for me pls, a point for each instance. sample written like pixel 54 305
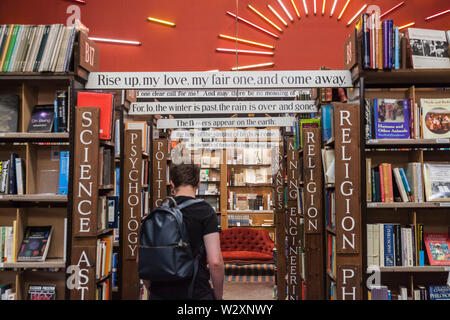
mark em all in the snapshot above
pixel 105 166
pixel 248 201
pixel 104 256
pixel 12 175
pixel 209 175
pixel 419 293
pixel 390 245
pixel 331 254
pixel 403 119
pixel 102 291
pixel 7 292
pixel 419 182
pixel 108 212
pixel 239 220
pixel 8 242
pixel 330 209
pixel 36 48
pixel 249 156
pixel 206 188
pixel 247 176
pixel 328 163
pixel 144 127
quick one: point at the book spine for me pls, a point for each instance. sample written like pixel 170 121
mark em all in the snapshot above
pixel 398 251
pixel 12 184
pixel 19 176
pixel 375 117
pixel 55 115
pixel 421 247
pixel 63 186
pixel 382 188
pixel 389 259
pixel 37 63
pixel 366 41
pixel 411 119
pixel 391 44
pixel 413 245
pixel 61 97
pixel 374 192
pixel 385 44
pixel 10 48
pixel 396 48
pixel 381 243
pixel 389 180
pixel 406 184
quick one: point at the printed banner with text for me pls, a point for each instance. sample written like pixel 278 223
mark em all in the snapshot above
pixel 225 122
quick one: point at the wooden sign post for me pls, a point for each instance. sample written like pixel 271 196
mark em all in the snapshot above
pixel 131 214
pixel 280 225
pixel 294 280
pixel 84 205
pixel 348 201
pixel 159 172
pixel 312 176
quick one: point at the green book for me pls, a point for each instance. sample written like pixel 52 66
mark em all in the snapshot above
pixel 11 48
pixel 308 123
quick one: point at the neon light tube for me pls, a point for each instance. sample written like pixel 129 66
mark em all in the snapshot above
pixel 437 14
pixel 265 18
pixel 252 24
pixel 334 7
pixel 295 8
pixel 356 15
pixel 343 10
pixel 406 25
pixel 115 41
pixel 315 7
pixel 167 23
pixel 259 44
pixel 323 6
pixel 244 51
pixel 285 10
pixel 392 9
pixel 278 16
pixel 254 66
pixel 306 7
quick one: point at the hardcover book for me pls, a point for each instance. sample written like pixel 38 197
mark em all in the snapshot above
pixel 42 118
pixel 439 292
pixel 63 186
pixel 35 243
pixel 437 245
pixel 391 118
pixel 42 292
pixel 436 118
pixel 104 101
pixel 429 48
pixel 9 110
pixel 308 123
pixel 437 181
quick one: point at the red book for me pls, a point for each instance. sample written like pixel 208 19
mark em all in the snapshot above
pixel 391 187
pixel 104 101
pixel 381 183
pixel 438 248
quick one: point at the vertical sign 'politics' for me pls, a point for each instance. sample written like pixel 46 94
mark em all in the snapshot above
pixel 159 187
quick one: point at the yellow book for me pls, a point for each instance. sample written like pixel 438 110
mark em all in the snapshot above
pixel 14 258
pixel 5 48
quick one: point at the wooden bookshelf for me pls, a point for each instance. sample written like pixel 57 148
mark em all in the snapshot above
pixel 34 137
pixel 408 143
pixel 407 205
pixel 42 198
pixel 445 269
pixel 47 264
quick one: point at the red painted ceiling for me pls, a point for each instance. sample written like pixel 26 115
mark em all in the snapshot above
pixel 308 43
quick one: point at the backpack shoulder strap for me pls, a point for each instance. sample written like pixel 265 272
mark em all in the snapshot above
pixel 189 202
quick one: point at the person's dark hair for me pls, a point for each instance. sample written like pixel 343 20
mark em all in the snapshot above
pixel 185 174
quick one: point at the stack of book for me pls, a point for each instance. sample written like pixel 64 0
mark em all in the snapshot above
pixel 247 201
pixel 12 175
pixel 104 256
pixel 239 220
pixel 108 212
pixel 403 119
pixel 36 48
pixel 7 292
pixel 419 293
pixel 102 291
pixel 145 129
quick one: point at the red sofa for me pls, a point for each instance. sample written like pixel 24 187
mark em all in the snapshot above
pixel 246 245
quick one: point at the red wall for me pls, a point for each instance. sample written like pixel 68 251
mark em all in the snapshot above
pixel 307 43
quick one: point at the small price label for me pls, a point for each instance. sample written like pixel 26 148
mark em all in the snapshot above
pixel 373 141
pixel 2 134
pixel 371 205
pixel 444 204
pixel 442 140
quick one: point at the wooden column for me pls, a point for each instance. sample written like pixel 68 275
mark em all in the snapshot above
pixel 159 172
pixel 84 210
pixel 280 225
pixel 314 226
pixel 294 281
pixel 348 202
pixel 130 221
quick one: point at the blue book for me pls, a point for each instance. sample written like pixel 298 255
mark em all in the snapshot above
pixel 63 187
pixel 439 292
pixel 117 181
pixel 112 204
pixel 389 259
pixel 114 269
pixel 396 49
pixel 327 125
pixel 405 183
pixel 391 118
pixel 55 115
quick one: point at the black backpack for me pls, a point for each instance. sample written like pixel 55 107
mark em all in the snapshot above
pixel 165 252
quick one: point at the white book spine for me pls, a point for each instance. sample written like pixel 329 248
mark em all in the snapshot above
pixel 19 176
pixel 376 244
pixel 10 242
pixel 381 243
pixel 419 182
pixel 370 254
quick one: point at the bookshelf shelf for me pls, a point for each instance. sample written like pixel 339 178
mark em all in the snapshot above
pixel 403 78
pixel 106 187
pixel 34 198
pixel 249 211
pixel 254 185
pixel 249 165
pixel 419 143
pixel 416 269
pixel 103 278
pixel 104 231
pixel 329 185
pixel 330 142
pixel 37 76
pixel 108 144
pixel 34 137
pixel 331 276
pixel 332 231
pixel 49 263
pixel 379 205
pixel 202 181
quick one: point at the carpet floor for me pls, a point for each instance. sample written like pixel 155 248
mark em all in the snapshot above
pixel 248 291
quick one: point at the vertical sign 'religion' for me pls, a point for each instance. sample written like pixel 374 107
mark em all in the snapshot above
pixel 85 189
pixel 293 223
pixel 159 187
pixel 348 204
pixel 312 176
pixel 280 223
pixel 131 213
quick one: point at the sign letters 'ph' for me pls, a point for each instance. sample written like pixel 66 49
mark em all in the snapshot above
pixel 85 189
pixel 132 193
pixel 159 188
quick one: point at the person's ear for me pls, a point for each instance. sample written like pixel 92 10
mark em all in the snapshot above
pixel 172 184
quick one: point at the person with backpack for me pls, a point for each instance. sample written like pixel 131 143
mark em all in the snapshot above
pixel 179 241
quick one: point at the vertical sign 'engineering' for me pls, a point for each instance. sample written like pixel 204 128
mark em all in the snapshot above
pixel 293 223
pixel 159 187
pixel 85 191
pixel 348 201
